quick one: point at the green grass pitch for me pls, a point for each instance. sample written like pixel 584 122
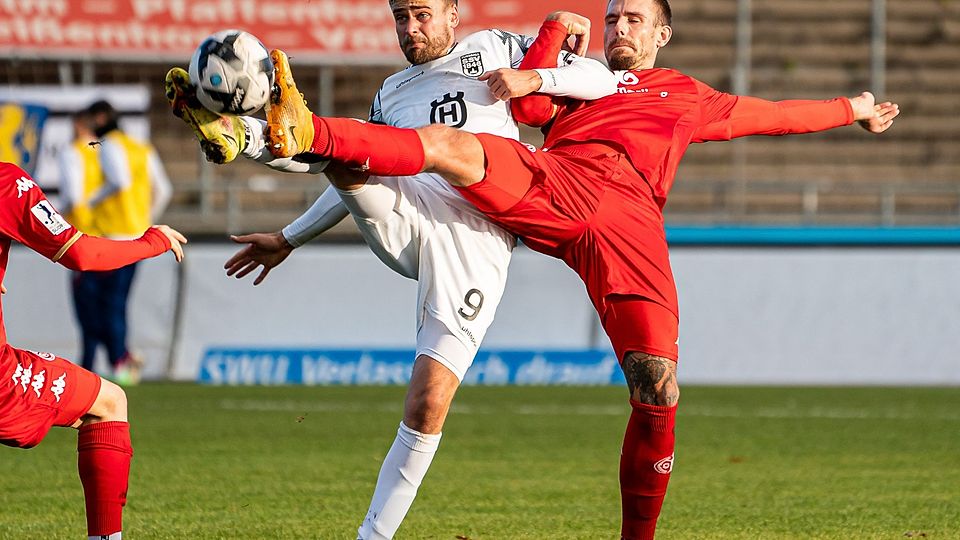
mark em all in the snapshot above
pixel 526 463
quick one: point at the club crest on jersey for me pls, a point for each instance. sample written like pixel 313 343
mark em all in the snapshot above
pixel 451 110
pixel 472 64
pixel 49 357
pixel 52 220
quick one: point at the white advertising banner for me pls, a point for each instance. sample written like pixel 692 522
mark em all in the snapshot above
pixel 335 315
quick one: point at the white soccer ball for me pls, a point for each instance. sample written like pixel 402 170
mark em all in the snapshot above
pixel 233 72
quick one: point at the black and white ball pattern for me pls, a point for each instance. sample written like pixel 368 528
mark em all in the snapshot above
pixel 233 72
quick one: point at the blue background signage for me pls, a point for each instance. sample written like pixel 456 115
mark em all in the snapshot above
pixel 235 366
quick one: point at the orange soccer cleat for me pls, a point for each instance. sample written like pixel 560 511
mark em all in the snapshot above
pixel 289 121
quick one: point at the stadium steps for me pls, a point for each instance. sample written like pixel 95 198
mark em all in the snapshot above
pixel 812 49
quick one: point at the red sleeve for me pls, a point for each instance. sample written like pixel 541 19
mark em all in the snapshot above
pixel 28 217
pixel 538 109
pixel 90 253
pixel 726 116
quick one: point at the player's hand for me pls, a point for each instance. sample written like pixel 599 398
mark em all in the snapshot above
pixel 263 249
pixel 872 116
pixel 3 290
pixel 508 83
pixel 578 26
pixel 176 240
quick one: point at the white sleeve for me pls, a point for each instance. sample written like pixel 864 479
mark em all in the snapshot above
pixel 159 186
pixel 376 110
pixel 256 150
pixel 326 212
pixel 71 179
pixel 579 78
pixel 116 171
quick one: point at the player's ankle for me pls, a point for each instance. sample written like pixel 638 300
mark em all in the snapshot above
pixel 253 142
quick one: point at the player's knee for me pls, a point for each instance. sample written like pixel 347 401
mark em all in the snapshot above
pixel 426 410
pixel 442 146
pixel 436 136
pixel 111 403
pixel 652 379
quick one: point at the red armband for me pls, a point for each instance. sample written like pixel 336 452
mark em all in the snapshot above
pixel 91 253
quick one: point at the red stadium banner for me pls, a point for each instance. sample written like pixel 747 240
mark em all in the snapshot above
pixel 321 31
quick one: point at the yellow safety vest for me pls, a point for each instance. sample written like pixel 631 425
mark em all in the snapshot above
pixel 80 215
pixel 127 212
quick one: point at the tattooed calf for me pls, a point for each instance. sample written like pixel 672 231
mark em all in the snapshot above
pixel 652 379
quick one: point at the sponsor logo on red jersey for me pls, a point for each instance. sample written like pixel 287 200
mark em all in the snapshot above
pixel 24 185
pixel 49 217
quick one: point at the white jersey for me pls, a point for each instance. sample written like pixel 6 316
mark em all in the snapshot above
pixel 447 91
pixel 420 226
pixel 462 258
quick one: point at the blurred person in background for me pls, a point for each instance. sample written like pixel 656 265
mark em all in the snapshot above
pixel 81 176
pixel 117 187
pixel 39 390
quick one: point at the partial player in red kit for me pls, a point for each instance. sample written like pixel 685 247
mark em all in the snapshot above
pixel 39 390
pixel 593 196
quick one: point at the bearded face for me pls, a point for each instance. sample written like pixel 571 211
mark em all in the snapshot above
pixel 624 52
pixel 423 48
pixel 425 28
pixel 633 32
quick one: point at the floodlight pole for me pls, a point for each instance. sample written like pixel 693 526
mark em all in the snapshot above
pixel 740 85
pixel 741 68
pixel 878 48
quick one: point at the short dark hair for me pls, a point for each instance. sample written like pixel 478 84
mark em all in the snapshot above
pixel 102 107
pixel 666 14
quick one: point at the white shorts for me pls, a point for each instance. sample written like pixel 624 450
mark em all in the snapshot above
pixel 424 230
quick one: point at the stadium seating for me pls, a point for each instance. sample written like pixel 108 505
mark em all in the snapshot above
pixel 811 49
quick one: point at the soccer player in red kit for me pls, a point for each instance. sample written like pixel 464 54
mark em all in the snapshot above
pixel 39 390
pixel 593 196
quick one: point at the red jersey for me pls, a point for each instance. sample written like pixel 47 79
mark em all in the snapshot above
pixel 657 113
pixel 28 217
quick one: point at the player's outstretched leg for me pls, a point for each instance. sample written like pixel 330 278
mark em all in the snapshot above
pixel 376 149
pixel 104 452
pixel 222 137
pixel 292 129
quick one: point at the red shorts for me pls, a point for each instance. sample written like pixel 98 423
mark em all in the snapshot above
pixel 637 324
pixel 586 205
pixel 38 391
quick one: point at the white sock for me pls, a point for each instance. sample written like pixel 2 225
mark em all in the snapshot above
pixel 255 147
pixel 401 474
pixel 114 536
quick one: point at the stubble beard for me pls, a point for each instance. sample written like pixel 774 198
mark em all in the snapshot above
pixel 632 59
pixel 624 62
pixel 435 48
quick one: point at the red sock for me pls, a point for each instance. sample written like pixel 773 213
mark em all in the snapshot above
pixel 103 459
pixel 645 464
pixel 377 149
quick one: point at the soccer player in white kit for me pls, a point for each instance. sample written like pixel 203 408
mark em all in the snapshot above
pixel 418 226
